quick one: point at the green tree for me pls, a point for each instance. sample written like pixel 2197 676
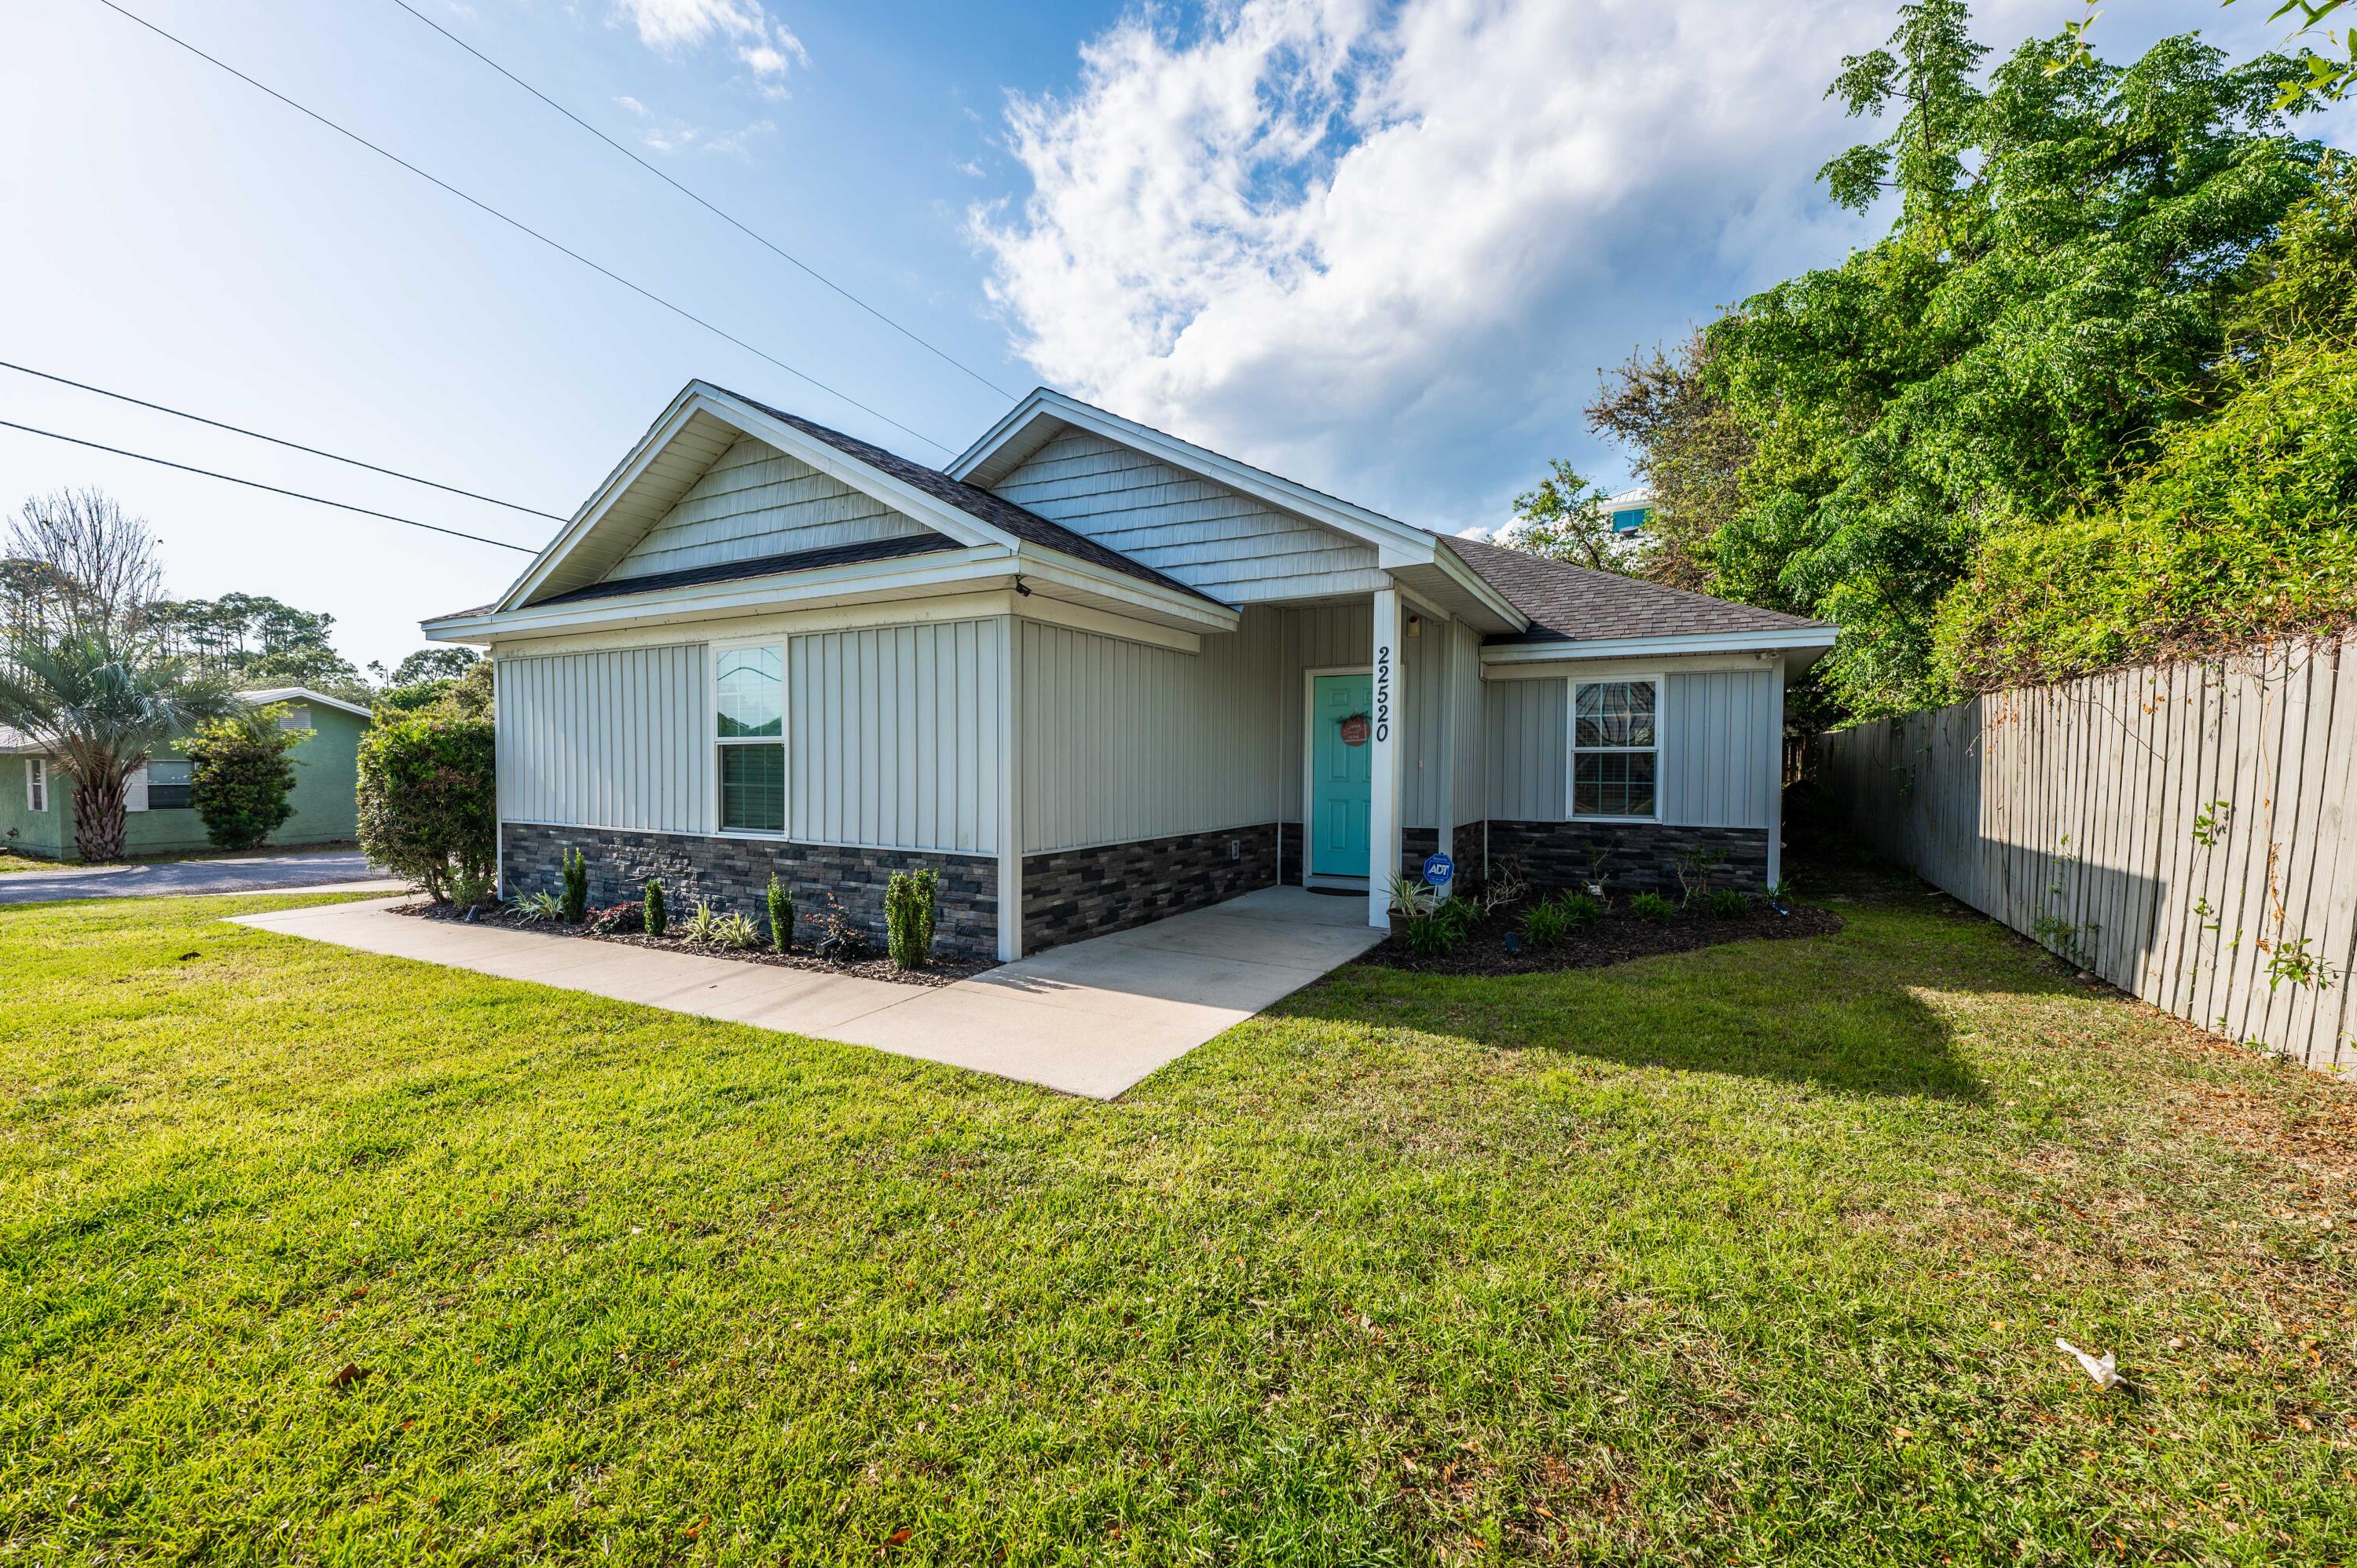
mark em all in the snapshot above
pixel 255 640
pixel 241 778
pixel 2053 297
pixel 433 664
pixel 100 710
pixel 1564 520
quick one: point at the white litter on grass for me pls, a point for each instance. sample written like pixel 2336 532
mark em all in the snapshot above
pixel 2105 1371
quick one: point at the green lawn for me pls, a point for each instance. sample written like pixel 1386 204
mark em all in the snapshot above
pixel 11 861
pixel 1752 1254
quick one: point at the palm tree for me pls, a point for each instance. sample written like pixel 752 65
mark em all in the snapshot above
pixel 101 712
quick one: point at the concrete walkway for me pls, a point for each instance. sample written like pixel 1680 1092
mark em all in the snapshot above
pixel 1089 1019
pixel 324 871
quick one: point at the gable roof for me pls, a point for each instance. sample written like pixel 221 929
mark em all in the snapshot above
pixel 262 699
pixel 704 419
pixel 1403 548
pixel 1565 603
pixel 975 501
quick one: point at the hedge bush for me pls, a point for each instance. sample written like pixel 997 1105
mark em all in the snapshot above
pixel 427 803
pixel 241 779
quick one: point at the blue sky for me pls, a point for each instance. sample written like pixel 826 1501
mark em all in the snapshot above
pixel 1382 248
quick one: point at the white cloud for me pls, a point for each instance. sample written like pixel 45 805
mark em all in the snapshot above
pixel 766 47
pixel 632 105
pixel 1386 248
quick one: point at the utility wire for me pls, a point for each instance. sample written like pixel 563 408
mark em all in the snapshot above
pixel 277 441
pixel 758 238
pixel 522 227
pixel 274 490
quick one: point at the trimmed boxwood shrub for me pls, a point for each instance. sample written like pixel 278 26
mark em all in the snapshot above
pixel 428 806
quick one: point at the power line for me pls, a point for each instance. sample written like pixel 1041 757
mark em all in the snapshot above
pixel 522 227
pixel 277 441
pixel 274 490
pixel 758 238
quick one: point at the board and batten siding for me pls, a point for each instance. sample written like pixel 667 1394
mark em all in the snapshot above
pixel 893 735
pixel 756 502
pixel 1720 750
pixel 1123 741
pixel 1219 540
pixel 613 739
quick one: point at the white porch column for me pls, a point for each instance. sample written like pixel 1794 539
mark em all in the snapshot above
pixel 1444 692
pixel 1390 744
pixel 1009 765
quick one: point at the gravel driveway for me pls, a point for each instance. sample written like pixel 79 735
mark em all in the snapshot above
pixel 246 873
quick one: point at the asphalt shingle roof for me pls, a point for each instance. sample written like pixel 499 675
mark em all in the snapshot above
pixel 758 566
pixel 1574 603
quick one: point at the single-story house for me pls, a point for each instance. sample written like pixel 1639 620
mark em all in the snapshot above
pixel 1095 676
pixel 37 803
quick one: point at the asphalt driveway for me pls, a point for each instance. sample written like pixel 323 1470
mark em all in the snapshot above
pixel 244 874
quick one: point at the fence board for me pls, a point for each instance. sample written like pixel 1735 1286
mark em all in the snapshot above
pixel 2089 815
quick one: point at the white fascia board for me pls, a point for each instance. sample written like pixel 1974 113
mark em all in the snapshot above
pixel 920 575
pixel 899 574
pixel 702 397
pixel 301 694
pixel 1402 544
pixel 1803 637
pixel 1473 583
pixel 633 464
pixel 1071 572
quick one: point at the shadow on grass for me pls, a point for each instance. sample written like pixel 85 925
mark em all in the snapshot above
pixel 1845 1013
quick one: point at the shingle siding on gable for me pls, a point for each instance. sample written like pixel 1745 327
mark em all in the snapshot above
pixel 755 501
pixel 1209 537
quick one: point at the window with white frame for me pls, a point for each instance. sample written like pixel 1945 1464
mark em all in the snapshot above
pixel 168 784
pixel 36 784
pixel 750 693
pixel 1615 749
pixel 297 716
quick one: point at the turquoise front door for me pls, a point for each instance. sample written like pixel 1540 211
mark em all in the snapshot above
pixel 1342 773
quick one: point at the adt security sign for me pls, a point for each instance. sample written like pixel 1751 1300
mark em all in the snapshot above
pixel 1438 869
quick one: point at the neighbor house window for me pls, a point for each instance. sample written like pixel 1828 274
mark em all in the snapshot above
pixel 750 689
pixel 1614 754
pixel 168 784
pixel 298 716
pixel 36 784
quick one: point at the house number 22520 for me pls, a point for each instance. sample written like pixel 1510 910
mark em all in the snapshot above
pixel 1383 694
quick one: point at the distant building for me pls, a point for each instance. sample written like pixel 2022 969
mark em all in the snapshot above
pixel 1630 511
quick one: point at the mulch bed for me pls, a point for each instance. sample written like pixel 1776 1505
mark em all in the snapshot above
pixel 943 971
pixel 1615 938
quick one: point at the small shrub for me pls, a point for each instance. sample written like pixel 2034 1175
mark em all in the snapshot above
pixel 1580 910
pixel 241 778
pixel 1459 915
pixel 1728 904
pixel 1433 935
pixel 911 901
pixel 1695 867
pixel 472 889
pixel 1546 925
pixel 576 885
pixel 1655 907
pixel 841 936
pixel 658 917
pixel 541 908
pixel 620 920
pixel 781 916
pixel 1411 895
pixel 708 928
pixel 427 802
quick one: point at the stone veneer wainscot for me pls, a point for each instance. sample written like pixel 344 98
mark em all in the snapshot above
pixel 1071 894
pixel 733 875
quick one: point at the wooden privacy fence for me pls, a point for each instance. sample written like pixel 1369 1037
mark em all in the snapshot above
pixel 2181 829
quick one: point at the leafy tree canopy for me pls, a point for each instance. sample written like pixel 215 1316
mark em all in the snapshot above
pixel 2071 254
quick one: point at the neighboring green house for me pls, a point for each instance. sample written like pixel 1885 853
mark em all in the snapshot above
pixel 37 799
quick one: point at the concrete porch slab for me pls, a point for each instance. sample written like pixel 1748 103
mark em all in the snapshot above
pixel 1170 985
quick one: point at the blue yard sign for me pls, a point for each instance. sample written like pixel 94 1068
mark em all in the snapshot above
pixel 1438 869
